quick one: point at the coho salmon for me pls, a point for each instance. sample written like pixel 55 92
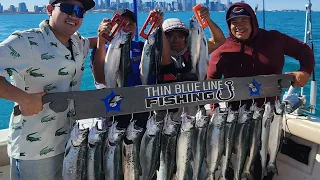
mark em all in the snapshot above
pixel 75 157
pixel 275 135
pixel 130 152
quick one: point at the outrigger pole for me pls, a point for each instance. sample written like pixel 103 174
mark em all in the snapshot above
pixel 308 38
pixel 313 86
pixel 264 18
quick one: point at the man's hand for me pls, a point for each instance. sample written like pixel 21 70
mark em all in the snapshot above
pixel 31 104
pixel 204 13
pixel 157 15
pixel 301 78
pixel 105 27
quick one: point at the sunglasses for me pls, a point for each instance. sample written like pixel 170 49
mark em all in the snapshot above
pixel 70 9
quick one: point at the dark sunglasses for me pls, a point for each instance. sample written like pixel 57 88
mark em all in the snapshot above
pixel 70 8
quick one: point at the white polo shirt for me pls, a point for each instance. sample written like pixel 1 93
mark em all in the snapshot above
pixel 36 61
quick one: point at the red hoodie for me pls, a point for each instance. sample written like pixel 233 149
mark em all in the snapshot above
pixel 262 54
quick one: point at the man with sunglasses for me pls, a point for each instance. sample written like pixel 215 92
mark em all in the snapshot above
pixel 43 60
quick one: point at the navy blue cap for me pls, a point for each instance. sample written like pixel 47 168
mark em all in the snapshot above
pixel 238 12
pixel 87 4
pixel 127 13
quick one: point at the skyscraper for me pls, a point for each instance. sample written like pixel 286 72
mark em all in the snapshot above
pixel 22 7
pixel 107 3
pixel 97 4
pixel 1 8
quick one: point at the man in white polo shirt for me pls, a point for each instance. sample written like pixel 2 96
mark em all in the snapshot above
pixel 43 60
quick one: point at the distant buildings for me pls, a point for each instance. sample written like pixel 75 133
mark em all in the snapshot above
pixel 107 5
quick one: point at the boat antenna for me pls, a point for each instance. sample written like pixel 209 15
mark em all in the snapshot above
pixel 135 10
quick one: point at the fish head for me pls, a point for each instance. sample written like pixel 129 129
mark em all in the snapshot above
pixel 171 127
pixel 115 134
pixel 232 116
pixel 244 114
pixel 152 37
pixel 154 127
pixel 133 132
pixel 187 122
pixel 202 119
pixel 96 135
pixel 220 116
pixel 79 136
pixel 257 112
pixel 269 110
pixel 279 107
pixel 120 38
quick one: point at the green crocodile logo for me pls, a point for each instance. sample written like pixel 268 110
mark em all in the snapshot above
pixel 63 73
pixel 9 142
pixel 10 71
pixel 30 37
pixel 46 151
pixel 59 132
pixel 53 44
pixel 13 52
pixel 48 118
pixel 82 67
pixel 32 43
pixel 49 87
pixel 23 122
pixel 77 54
pixel 26 88
pixel 32 72
pixel 16 126
pixel 34 31
pixel 73 83
pixel 67 56
pixel 16 34
pixel 70 113
pixel 33 139
pixel 23 154
pixel 46 56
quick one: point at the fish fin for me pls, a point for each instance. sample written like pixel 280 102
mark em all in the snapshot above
pixel 272 168
pixel 247 175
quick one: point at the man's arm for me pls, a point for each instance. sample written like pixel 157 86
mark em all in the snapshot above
pixel 15 59
pixel 304 54
pixel 217 36
pixel 30 104
pixel 100 51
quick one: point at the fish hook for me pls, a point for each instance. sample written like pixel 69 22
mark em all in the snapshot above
pixel 253 102
pixel 265 101
pixel 113 121
pixel 240 104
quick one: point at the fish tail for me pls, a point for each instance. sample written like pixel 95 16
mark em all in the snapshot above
pixel 272 168
pixel 264 173
pixel 247 175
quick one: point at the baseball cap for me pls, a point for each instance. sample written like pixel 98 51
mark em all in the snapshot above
pixel 87 4
pixel 175 24
pixel 126 13
pixel 238 12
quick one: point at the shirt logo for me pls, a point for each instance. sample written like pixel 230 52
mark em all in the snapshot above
pixel 238 10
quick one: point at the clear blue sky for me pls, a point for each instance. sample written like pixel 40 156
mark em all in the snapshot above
pixel 269 4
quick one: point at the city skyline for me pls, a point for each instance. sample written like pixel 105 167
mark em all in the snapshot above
pixel 269 4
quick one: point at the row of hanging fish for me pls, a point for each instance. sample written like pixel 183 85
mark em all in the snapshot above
pixel 178 146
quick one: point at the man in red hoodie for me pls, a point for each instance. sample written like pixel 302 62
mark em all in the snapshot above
pixel 251 51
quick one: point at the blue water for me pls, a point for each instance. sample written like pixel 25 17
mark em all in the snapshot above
pixel 291 23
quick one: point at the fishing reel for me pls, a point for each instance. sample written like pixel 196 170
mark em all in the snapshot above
pixel 117 22
pixel 294 102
